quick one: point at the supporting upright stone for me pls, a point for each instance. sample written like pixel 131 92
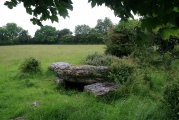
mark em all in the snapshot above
pixel 100 89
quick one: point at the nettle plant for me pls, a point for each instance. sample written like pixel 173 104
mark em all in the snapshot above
pixel 120 71
pixel 171 99
pixel 30 65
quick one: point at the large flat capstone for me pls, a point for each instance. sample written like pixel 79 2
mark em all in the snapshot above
pixel 80 74
pixel 59 65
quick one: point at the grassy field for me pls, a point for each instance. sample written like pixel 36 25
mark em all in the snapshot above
pixel 18 91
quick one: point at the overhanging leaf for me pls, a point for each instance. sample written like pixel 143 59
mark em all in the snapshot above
pixel 167 32
pixel 142 38
pixel 10 4
pixel 146 23
pixel 156 29
pixel 54 18
pixel 93 3
pixel 29 10
pixel 70 7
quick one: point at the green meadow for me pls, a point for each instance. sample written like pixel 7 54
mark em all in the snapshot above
pixel 19 91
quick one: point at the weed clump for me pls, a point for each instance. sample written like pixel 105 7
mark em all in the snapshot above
pixel 30 65
pixel 147 56
pixel 120 71
pixel 171 99
pixel 101 60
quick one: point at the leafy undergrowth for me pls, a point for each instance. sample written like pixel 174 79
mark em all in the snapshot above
pixel 18 91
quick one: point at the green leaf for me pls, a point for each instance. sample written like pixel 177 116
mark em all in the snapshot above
pixel 54 18
pixel 70 7
pixel 34 20
pixel 142 38
pixel 29 10
pixel 156 29
pixel 63 12
pixel 167 32
pixel 93 3
pixel 10 4
pixel 146 23
pixel 176 9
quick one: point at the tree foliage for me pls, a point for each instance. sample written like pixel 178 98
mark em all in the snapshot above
pixel 94 37
pixel 103 25
pixel 63 32
pixel 86 35
pixel 67 39
pixel 82 29
pixel 154 14
pixel 13 31
pixel 24 37
pixel 46 35
pixel 3 36
pixel 129 24
pixel 120 40
pixel 118 43
pixel 43 9
pixel 13 34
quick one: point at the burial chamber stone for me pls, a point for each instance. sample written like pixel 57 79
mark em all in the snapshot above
pixel 58 65
pixel 79 74
pixel 100 89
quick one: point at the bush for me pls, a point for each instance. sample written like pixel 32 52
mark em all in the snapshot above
pixel 147 56
pixel 171 99
pixel 120 71
pixel 118 43
pixel 66 39
pixel 30 65
pixel 176 52
pixel 101 60
pixel 167 59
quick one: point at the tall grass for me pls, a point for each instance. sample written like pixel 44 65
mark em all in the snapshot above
pixel 18 91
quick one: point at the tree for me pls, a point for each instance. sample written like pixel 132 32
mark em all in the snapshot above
pixel 81 32
pixel 67 39
pixel 121 40
pixel 99 26
pixel 103 25
pixel 82 29
pixel 118 43
pixel 129 24
pixel 43 9
pixel 62 33
pixel 46 35
pixel 12 32
pixel 154 14
pixel 108 23
pixel 24 37
pixel 3 36
pixel 94 37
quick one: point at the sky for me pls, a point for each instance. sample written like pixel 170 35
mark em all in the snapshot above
pixel 82 14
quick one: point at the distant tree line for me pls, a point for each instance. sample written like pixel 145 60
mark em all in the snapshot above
pixel 12 34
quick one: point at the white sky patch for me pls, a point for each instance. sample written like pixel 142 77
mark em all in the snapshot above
pixel 82 14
